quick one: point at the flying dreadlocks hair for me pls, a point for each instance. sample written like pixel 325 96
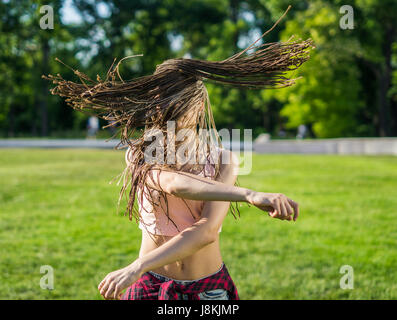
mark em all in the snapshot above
pixel 174 91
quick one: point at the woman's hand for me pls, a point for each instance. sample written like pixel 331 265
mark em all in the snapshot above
pixel 115 282
pixel 276 204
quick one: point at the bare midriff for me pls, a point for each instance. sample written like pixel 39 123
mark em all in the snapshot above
pixel 202 263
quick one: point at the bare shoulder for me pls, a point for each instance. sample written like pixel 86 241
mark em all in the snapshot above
pixel 229 164
pixel 229 158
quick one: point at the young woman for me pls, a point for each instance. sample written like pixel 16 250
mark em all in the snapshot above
pixel 184 187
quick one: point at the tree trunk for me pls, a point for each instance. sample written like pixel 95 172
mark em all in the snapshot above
pixel 36 102
pixel 234 4
pixel 384 82
pixel 44 88
pixel 11 122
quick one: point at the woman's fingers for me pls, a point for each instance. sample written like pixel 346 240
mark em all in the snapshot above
pixel 108 277
pixel 109 292
pixel 271 212
pixel 274 214
pixel 284 211
pixel 105 286
pixel 118 290
pixel 289 208
pixel 296 208
pixel 101 284
pixel 284 208
pixel 117 293
pixel 277 206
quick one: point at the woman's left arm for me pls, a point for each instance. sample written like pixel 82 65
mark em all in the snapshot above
pixel 189 241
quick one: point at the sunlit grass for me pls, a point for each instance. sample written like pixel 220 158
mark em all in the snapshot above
pixel 57 208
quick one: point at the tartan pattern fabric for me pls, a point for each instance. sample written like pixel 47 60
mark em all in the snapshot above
pixel 148 287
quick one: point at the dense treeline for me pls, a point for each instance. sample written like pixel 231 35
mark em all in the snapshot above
pixel 349 86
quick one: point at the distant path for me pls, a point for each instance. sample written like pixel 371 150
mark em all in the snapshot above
pixel 368 146
pixel 58 143
pixel 69 143
pixel 359 146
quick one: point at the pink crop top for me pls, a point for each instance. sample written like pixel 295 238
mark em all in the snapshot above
pixel 154 219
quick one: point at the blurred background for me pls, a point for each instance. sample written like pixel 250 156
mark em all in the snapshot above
pixel 348 89
pixel 59 231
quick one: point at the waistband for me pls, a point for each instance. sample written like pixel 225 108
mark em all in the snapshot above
pixel 153 286
pixel 184 282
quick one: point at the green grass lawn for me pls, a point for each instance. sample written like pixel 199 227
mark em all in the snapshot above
pixel 57 208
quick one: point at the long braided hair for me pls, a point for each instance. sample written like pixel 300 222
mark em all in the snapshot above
pixel 174 91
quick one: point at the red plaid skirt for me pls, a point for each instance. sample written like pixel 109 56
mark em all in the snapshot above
pixel 148 287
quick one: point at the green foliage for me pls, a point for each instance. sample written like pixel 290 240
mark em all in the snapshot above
pixel 348 86
pixel 328 96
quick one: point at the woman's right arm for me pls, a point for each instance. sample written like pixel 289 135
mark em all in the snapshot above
pixel 189 186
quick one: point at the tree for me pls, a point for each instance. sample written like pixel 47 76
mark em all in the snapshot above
pixel 346 86
pixel 377 21
pixel 27 106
